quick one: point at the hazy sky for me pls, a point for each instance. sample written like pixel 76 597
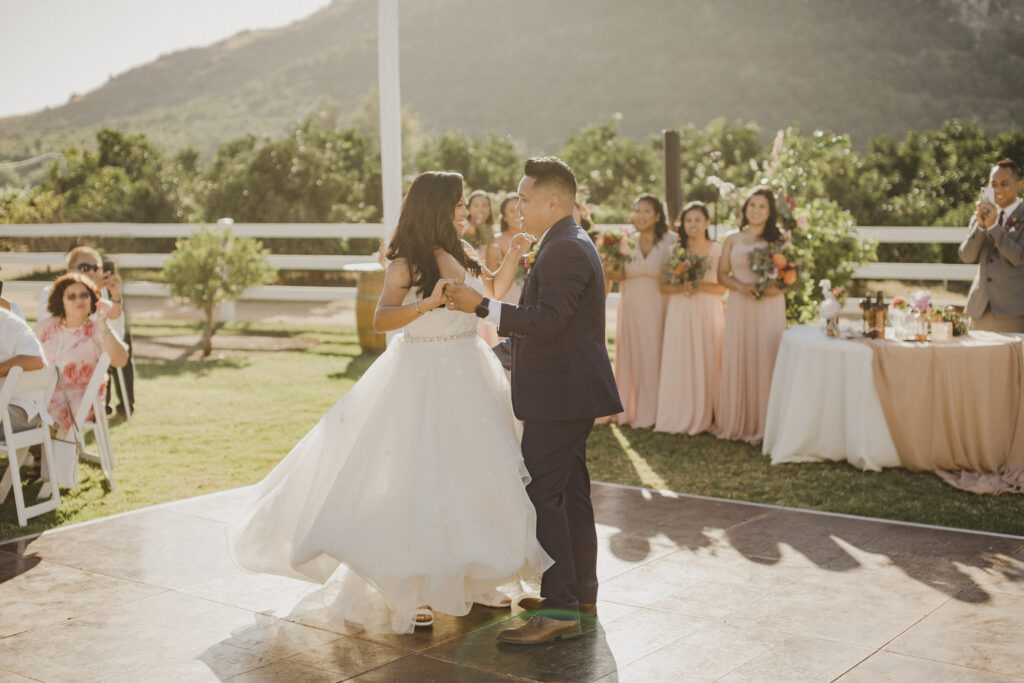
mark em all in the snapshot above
pixel 50 49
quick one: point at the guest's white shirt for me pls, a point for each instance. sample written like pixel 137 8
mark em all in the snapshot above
pixel 17 339
pixel 1007 212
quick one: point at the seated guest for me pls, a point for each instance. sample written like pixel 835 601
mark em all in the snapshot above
pixel 74 339
pixel 9 305
pixel 88 262
pixel 19 348
pixel 995 241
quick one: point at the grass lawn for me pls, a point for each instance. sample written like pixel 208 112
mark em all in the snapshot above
pixel 205 426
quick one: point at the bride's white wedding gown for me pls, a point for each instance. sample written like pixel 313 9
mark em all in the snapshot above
pixel 410 491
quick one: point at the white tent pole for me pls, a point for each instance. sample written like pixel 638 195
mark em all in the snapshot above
pixel 390 111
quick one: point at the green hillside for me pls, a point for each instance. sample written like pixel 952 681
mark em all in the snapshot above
pixel 539 70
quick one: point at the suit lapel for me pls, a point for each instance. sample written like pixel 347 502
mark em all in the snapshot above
pixel 1016 220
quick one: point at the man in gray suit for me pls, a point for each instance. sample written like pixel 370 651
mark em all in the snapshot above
pixel 995 241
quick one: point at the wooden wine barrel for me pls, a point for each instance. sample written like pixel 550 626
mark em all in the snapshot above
pixel 368 289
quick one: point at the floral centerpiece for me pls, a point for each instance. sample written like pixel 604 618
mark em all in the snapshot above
pixel 683 268
pixel 615 247
pixel 772 267
pixel 831 306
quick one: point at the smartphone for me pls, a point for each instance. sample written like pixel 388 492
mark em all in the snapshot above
pixel 988 195
pixel 109 266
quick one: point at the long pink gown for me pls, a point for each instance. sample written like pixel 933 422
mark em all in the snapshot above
pixel 691 357
pixel 641 321
pixel 753 331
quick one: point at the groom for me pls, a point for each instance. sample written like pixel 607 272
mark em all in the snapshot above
pixel 561 381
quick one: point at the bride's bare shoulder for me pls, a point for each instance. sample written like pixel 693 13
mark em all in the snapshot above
pixel 448 264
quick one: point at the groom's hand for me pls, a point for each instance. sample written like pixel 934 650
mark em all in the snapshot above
pixel 462 298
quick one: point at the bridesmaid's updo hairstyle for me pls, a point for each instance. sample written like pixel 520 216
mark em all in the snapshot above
pixel 55 302
pixel 426 222
pixel 771 226
pixel 661 225
pixel 691 206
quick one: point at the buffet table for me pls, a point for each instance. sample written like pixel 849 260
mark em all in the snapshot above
pixel 883 403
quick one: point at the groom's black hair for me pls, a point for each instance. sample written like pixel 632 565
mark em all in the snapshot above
pixel 551 171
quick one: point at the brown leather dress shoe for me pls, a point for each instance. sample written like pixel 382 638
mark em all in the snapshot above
pixel 539 630
pixel 530 604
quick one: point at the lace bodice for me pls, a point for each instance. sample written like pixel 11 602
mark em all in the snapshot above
pixel 441 324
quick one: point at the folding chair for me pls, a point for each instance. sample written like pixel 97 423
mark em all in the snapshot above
pixel 15 444
pixel 93 401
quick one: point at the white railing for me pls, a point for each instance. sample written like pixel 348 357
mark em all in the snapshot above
pixel 328 262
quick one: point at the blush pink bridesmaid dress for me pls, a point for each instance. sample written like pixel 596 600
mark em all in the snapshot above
pixel 753 332
pixel 640 325
pixel 691 357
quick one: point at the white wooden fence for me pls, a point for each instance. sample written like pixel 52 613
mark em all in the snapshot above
pixel 325 262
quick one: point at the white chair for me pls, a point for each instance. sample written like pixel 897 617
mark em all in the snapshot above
pixel 39 383
pixel 92 401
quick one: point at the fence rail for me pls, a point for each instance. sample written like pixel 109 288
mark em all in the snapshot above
pixel 322 262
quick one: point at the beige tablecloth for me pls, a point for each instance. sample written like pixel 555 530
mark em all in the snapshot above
pixel 956 405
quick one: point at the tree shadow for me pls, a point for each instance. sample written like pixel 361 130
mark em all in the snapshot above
pixel 932 556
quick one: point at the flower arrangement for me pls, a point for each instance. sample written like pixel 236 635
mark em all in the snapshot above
pixel 526 262
pixel 920 301
pixel 615 247
pixel 831 306
pixel 683 267
pixel 772 268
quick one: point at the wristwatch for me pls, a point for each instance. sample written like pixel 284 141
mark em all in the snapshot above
pixel 483 309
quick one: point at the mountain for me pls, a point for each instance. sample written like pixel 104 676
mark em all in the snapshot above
pixel 538 70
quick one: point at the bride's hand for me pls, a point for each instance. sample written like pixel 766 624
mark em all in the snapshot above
pixel 436 297
pixel 522 242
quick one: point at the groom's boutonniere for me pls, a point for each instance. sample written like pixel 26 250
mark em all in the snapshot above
pixel 1011 224
pixel 529 258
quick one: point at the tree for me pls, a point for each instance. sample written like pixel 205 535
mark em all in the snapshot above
pixel 614 170
pixel 213 266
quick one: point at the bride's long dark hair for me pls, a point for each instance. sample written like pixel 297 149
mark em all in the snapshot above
pixel 425 223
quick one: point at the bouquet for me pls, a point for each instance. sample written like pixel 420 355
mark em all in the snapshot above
pixel 615 247
pixel 772 268
pixel 683 268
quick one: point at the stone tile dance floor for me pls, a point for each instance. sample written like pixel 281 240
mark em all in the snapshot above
pixel 691 589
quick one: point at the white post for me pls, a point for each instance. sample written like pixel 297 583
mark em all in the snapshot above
pixel 390 112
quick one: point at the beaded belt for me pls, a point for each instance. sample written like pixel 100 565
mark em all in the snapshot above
pixel 468 334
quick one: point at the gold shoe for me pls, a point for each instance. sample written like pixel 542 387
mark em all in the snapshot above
pixel 541 629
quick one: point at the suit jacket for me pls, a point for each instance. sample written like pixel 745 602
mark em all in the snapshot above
pixel 560 367
pixel 999 253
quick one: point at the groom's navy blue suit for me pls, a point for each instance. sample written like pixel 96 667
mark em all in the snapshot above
pixel 561 381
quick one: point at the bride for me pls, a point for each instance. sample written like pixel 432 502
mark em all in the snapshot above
pixel 410 491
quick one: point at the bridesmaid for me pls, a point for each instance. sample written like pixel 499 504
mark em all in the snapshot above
pixel 691 351
pixel 481 220
pixel 641 314
pixel 510 224
pixel 753 325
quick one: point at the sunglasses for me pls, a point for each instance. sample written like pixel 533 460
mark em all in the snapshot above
pixel 87 267
pixel 74 297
